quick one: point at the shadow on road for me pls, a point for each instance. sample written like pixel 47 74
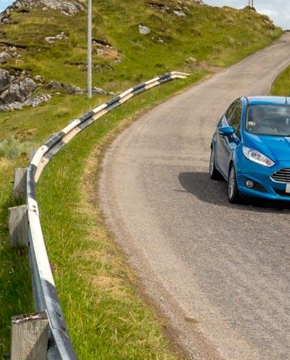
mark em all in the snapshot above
pixel 215 192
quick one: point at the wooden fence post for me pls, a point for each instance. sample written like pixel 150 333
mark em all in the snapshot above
pixel 29 337
pixel 18 226
pixel 19 190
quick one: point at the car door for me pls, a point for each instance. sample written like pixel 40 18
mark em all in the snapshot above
pixel 229 143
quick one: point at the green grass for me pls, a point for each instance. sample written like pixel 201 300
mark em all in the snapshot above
pixel 281 85
pixel 105 314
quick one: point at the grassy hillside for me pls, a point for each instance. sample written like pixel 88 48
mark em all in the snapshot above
pixel 217 36
pixel 106 317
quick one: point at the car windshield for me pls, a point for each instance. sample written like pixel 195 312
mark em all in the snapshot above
pixel 268 120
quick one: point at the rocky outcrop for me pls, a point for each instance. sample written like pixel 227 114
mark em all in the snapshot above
pixel 68 8
pixel 17 92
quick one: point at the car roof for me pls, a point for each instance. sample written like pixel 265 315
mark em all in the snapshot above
pixel 268 100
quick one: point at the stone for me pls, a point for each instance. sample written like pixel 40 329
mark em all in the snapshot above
pixel 192 59
pixel 27 86
pixel 144 30
pixel 36 101
pixel 12 94
pixel 38 78
pixel 54 85
pixel 75 90
pixel 61 36
pixel 4 56
pixel 50 39
pixel 179 13
pixel 5 79
pixel 11 107
pixel 98 91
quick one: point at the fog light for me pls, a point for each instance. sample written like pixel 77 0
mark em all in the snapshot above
pixel 250 184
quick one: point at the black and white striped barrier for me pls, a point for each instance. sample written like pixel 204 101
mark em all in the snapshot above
pixel 44 290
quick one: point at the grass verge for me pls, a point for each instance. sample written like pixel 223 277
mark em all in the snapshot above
pixel 281 85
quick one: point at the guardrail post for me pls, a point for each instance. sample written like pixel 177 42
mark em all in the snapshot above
pixel 18 226
pixel 19 190
pixel 31 154
pixel 29 339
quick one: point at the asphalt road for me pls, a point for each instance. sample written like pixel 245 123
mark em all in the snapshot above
pixel 220 273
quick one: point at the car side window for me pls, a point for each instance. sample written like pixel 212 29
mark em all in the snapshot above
pixel 235 120
pixel 231 110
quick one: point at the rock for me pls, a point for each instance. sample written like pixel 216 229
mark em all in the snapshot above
pixel 75 90
pixel 192 59
pixel 144 30
pixel 4 56
pixel 61 36
pixel 5 79
pixel 99 91
pixel 11 107
pixel 54 85
pixel 52 39
pixel 100 51
pixel 160 7
pixel 179 13
pixel 27 86
pixel 12 94
pixel 17 92
pixel 36 101
pixel 38 78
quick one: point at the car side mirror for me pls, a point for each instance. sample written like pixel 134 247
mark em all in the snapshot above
pixel 226 130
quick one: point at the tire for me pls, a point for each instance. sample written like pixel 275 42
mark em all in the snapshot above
pixel 214 174
pixel 233 190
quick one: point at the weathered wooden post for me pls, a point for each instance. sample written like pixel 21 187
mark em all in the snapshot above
pixel 18 226
pixel 19 190
pixel 29 337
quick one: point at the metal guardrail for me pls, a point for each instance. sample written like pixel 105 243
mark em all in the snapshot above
pixel 44 290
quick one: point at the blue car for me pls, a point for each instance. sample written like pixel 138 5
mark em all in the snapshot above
pixel 250 148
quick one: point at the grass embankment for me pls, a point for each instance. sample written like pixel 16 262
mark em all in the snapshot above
pixel 106 318
pixel 281 85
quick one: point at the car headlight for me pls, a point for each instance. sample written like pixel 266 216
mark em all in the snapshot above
pixel 257 157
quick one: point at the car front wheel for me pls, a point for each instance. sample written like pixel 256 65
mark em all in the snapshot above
pixel 233 190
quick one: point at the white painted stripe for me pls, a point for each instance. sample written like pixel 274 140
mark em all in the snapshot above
pixel 71 126
pixel 38 155
pixel 151 81
pixel 39 248
pixel 125 93
pixel 99 108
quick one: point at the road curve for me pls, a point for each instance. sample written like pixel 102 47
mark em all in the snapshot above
pixel 220 273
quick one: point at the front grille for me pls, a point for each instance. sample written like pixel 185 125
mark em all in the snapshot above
pixel 282 175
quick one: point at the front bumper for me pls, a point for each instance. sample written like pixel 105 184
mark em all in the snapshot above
pixel 264 186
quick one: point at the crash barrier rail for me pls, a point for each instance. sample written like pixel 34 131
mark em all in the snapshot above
pixel 25 230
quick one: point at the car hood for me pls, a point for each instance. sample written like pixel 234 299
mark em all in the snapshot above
pixel 275 147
